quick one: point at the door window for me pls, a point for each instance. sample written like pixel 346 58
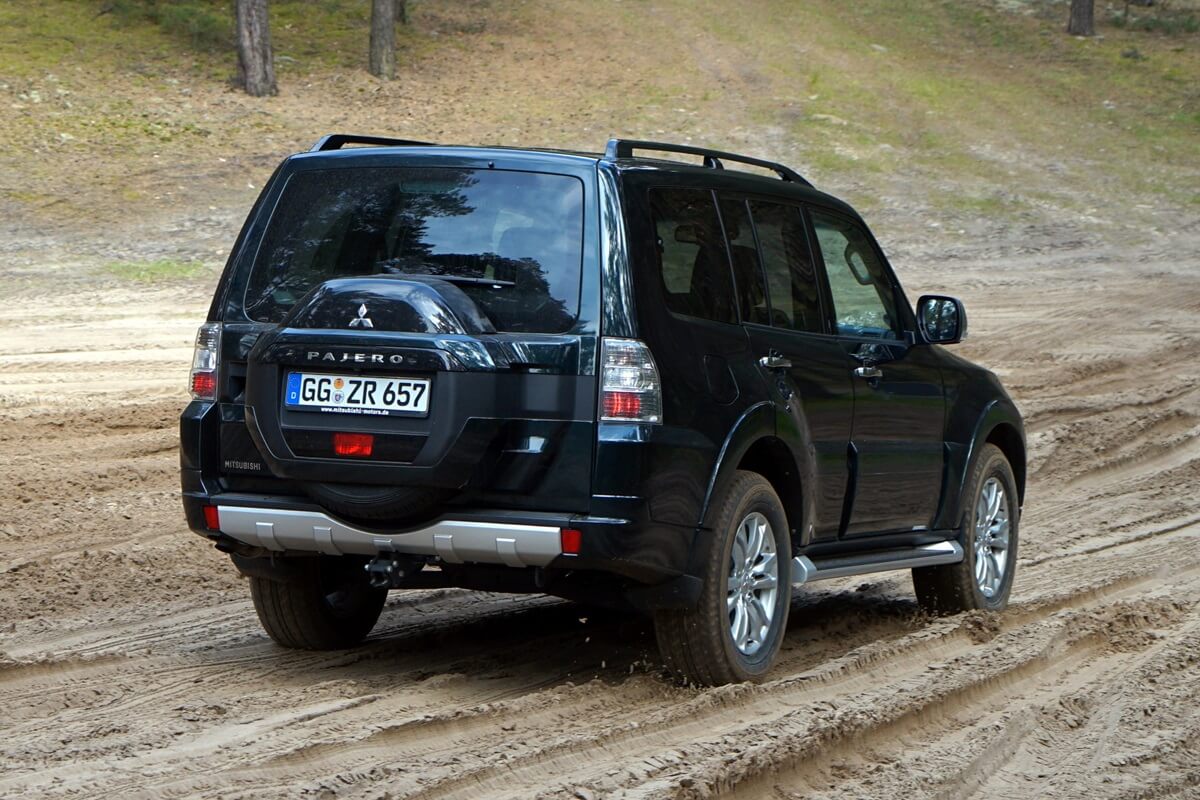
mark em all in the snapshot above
pixel 791 281
pixel 691 254
pixel 863 301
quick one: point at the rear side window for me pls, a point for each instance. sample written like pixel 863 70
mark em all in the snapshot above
pixel 513 241
pixel 863 301
pixel 691 254
pixel 747 271
pixel 791 281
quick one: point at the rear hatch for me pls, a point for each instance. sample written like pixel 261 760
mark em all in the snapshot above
pixel 423 318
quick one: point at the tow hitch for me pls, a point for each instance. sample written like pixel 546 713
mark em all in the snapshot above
pixel 390 571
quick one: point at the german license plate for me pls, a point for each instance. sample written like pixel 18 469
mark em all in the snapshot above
pixel 357 394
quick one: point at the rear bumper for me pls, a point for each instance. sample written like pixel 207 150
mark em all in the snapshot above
pixel 642 551
pixel 453 541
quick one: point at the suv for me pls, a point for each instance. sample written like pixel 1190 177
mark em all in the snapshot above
pixel 668 386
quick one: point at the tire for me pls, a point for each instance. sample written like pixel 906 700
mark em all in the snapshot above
pixel 986 535
pixel 400 505
pixel 325 603
pixel 698 645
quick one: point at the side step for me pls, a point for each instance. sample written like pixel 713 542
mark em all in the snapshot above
pixel 805 569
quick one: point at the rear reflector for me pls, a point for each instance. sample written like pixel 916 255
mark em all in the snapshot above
pixel 572 539
pixel 353 444
pixel 212 519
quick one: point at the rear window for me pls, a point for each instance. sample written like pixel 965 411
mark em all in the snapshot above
pixel 691 254
pixel 513 241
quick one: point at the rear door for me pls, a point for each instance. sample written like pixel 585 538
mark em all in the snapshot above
pixel 897 447
pixel 444 306
pixel 805 368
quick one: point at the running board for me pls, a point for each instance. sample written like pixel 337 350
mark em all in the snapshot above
pixel 805 569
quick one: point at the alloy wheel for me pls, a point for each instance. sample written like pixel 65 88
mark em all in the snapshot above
pixel 992 529
pixel 753 583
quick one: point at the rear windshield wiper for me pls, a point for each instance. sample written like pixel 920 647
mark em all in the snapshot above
pixel 461 280
pixel 469 281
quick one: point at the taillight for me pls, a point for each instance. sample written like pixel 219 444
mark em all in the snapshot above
pixel 205 359
pixel 630 390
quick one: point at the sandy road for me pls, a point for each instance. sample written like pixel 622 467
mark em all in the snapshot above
pixel 131 664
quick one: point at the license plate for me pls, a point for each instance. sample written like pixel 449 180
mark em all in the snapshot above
pixel 357 394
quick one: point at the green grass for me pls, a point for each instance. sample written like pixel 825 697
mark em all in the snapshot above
pixel 160 271
pixel 952 104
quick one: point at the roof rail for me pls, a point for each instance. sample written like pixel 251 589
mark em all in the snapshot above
pixel 623 148
pixel 336 141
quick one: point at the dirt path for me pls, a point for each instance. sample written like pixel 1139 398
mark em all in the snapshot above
pixel 131 664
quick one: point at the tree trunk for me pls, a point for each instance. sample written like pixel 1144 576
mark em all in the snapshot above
pixel 1082 21
pixel 383 38
pixel 402 11
pixel 256 62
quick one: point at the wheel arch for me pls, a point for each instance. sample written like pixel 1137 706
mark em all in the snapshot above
pixel 770 457
pixel 1005 436
pixel 999 423
pixel 753 445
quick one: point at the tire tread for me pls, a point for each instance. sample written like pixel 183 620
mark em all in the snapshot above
pixel 691 647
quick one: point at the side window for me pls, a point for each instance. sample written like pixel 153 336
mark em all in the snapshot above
pixel 863 301
pixel 691 254
pixel 791 281
pixel 747 272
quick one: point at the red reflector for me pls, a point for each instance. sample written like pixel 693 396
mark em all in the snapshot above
pixel 204 385
pixel 572 538
pixel 212 519
pixel 622 404
pixel 353 444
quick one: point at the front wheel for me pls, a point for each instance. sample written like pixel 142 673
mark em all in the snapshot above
pixel 320 603
pixel 735 631
pixel 984 578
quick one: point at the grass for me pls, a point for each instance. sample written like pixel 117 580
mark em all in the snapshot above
pixel 951 104
pixel 161 271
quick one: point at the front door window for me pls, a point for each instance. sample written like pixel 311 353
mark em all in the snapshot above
pixel 863 301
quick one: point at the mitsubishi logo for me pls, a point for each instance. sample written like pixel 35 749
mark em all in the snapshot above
pixel 362 320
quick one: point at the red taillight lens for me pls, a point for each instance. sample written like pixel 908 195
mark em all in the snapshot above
pixel 204 385
pixel 353 444
pixel 622 405
pixel 572 539
pixel 212 519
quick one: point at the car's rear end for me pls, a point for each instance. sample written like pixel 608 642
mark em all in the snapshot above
pixel 402 369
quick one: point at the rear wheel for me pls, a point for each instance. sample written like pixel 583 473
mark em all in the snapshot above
pixel 321 603
pixel 983 579
pixel 735 631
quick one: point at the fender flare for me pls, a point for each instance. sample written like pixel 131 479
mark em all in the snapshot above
pixel 997 412
pixel 755 422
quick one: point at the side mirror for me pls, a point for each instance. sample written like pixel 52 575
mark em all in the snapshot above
pixel 942 320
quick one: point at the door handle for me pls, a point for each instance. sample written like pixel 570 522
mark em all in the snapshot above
pixel 775 362
pixel 868 372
